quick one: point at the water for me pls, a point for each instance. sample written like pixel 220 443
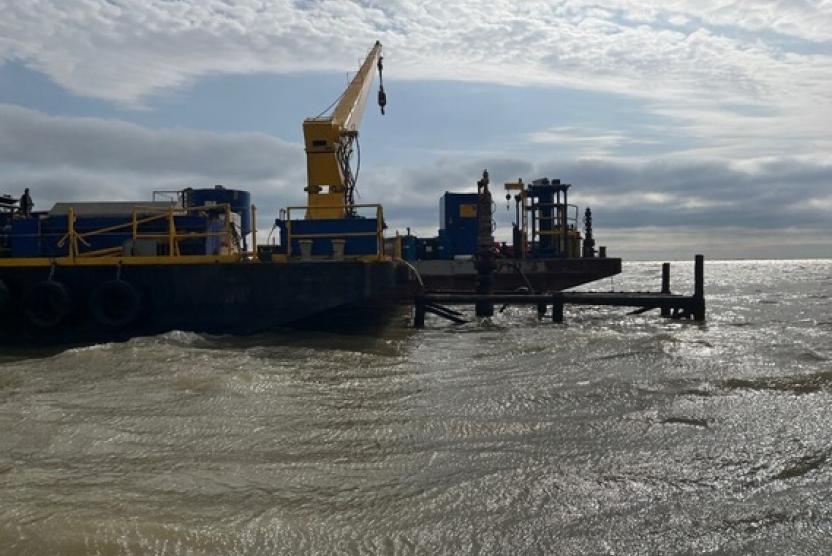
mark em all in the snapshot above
pixel 610 434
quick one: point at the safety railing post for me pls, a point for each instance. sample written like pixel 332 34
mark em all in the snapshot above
pixel 73 245
pixel 397 247
pixel 254 230
pixel 289 233
pixel 379 232
pixel 228 227
pixel 170 233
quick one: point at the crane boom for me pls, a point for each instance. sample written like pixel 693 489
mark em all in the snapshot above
pixel 329 145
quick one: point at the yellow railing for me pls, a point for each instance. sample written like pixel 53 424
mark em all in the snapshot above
pixel 76 241
pixel 139 218
pixel 378 233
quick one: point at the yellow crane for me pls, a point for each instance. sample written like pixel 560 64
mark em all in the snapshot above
pixel 329 144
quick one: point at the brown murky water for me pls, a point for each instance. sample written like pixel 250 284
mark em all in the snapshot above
pixel 609 434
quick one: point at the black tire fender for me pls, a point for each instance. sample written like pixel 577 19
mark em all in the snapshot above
pixel 115 303
pixel 47 304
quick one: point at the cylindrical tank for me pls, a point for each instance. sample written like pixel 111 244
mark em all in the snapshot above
pixel 239 200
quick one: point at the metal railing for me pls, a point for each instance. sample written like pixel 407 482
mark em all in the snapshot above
pixel 171 236
pixel 562 226
pixel 378 233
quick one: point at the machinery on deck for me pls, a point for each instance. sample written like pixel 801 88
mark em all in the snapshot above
pixel 545 226
pixel 547 251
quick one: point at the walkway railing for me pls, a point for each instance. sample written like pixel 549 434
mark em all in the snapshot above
pixel 143 215
pixel 378 233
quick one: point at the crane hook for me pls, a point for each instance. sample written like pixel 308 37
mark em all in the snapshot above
pixel 382 96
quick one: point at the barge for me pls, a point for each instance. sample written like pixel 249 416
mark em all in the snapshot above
pixel 89 272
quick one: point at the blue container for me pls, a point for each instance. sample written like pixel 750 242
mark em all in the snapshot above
pixel 239 200
pixel 458 225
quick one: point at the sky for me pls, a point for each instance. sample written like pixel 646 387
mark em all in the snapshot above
pixel 688 126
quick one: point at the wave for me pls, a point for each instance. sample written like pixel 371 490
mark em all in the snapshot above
pixel 803 465
pixel 796 384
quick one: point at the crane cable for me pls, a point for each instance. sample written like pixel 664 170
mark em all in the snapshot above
pixel 346 150
pixel 352 180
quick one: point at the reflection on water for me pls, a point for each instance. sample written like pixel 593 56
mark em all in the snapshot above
pixel 608 434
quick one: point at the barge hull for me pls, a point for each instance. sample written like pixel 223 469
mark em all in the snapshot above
pixel 217 298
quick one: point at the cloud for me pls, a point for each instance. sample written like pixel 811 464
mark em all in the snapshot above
pixel 750 209
pixel 770 195
pixel 32 138
pixel 588 142
pixel 724 242
pixel 126 49
pixel 763 203
pixel 64 158
pixel 736 79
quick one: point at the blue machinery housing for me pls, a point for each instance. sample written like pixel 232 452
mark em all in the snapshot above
pixel 457 231
pixel 355 236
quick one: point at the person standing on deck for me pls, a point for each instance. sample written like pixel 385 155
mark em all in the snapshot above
pixel 26 204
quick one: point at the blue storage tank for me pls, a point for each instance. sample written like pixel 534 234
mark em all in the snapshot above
pixel 239 200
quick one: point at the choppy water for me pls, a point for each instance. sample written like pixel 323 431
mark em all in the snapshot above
pixel 609 434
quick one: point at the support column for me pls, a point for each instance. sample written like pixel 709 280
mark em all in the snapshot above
pixel 557 309
pixel 665 311
pixel 419 312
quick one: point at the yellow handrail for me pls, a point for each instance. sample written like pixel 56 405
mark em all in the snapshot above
pixel 172 237
pixel 101 252
pixel 171 234
pixel 254 229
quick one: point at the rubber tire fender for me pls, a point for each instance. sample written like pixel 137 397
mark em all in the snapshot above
pixel 47 304
pixel 115 303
